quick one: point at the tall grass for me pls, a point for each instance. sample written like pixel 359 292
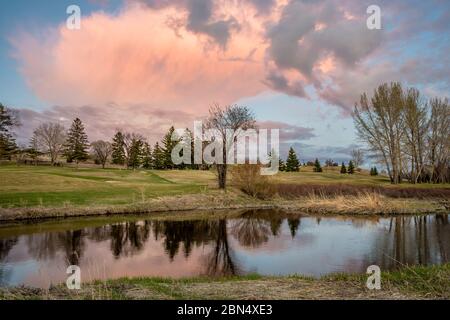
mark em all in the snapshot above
pixel 331 190
pixel 363 202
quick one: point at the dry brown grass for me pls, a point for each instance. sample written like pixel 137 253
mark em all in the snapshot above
pixel 363 203
pixel 338 189
pixel 284 288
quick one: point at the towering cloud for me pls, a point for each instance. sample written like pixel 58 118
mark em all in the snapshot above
pixel 186 54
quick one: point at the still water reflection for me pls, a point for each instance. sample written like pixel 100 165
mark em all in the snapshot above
pixel 266 242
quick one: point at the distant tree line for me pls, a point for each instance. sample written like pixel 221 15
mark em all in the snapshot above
pixel 130 150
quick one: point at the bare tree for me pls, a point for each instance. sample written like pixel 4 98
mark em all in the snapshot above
pixel 357 157
pixel 439 140
pixel 416 126
pixel 102 150
pixel 50 137
pixel 380 123
pixel 235 118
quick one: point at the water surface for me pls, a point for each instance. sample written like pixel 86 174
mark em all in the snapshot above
pixel 266 242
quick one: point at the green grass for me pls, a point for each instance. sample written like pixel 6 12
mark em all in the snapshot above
pixel 90 187
pixel 28 186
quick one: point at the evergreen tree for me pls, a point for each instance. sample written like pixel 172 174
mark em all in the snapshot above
pixel 343 168
pixel 135 153
pixel 168 145
pixel 118 145
pixel 7 142
pixel 77 143
pixel 351 167
pixel 373 171
pixel 317 167
pixel 292 163
pixel 158 157
pixel 282 165
pixel 147 160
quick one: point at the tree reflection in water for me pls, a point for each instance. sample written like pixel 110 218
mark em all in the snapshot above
pixel 5 247
pixel 221 259
pixel 396 240
pixel 413 240
pixel 129 238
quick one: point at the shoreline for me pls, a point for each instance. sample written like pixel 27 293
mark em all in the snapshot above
pixel 409 282
pixel 372 205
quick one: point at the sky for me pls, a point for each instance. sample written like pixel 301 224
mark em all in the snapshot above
pixel 144 65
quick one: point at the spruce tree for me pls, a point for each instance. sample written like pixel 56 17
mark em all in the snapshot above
pixel 292 163
pixel 373 171
pixel 118 153
pixel 147 162
pixel 168 145
pixel 351 167
pixel 343 168
pixel 7 142
pixel 158 157
pixel 135 153
pixel 317 167
pixel 77 143
pixel 281 165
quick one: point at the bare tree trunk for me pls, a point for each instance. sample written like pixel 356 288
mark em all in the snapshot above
pixel 222 175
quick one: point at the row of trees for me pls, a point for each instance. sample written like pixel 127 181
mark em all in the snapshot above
pixel 127 149
pixel 293 164
pixel 133 151
pixel 408 135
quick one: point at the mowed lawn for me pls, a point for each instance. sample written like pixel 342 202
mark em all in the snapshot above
pixel 30 186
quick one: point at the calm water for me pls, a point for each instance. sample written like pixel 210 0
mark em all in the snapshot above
pixel 266 242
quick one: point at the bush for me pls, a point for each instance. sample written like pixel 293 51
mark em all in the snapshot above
pixel 248 178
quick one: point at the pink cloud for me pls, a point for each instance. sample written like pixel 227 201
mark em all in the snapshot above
pixel 137 58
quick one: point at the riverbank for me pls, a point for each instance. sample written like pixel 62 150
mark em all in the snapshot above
pixel 419 282
pixel 364 204
pixel 30 193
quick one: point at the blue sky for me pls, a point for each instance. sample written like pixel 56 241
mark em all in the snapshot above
pixel 150 64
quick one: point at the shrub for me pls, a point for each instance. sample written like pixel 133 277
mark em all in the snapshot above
pixel 248 178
